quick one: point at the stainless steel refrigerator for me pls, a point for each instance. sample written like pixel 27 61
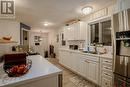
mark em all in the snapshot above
pixel 122 60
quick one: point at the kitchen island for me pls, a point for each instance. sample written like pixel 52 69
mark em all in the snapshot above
pixel 41 74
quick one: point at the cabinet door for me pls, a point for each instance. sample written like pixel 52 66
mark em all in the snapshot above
pixel 65 58
pixel 71 32
pixel 69 60
pixel 61 57
pixel 127 15
pixel 106 82
pixel 76 31
pixel 74 57
pixel 66 33
pixel 82 65
pixel 125 4
pixel 117 7
pixel 82 31
pixel 93 71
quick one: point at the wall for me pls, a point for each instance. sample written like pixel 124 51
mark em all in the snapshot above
pixel 43 44
pixel 49 38
pixel 10 28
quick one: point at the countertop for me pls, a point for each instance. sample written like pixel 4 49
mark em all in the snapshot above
pixel 41 68
pixel 110 56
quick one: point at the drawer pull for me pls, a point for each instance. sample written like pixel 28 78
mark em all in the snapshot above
pixel 106 84
pixel 106 68
pixel 87 61
pixel 107 61
pixel 107 74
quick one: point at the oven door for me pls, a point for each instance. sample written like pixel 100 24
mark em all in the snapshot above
pixel 122 66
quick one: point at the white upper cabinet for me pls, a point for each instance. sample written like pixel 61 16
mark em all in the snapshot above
pixel 83 31
pixel 76 31
pixel 124 20
pixel 125 4
pixel 117 6
pixel 121 5
pixel 99 14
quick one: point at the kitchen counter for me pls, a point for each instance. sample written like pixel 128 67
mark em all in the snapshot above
pixel 40 69
pixel 90 54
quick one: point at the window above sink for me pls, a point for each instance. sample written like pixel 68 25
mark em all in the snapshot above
pixel 100 32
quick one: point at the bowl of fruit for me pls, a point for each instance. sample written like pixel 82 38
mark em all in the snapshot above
pixel 19 70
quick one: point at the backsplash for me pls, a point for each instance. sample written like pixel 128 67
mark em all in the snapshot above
pixel 109 49
pixel 80 44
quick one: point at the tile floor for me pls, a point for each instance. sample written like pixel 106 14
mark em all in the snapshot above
pixel 67 74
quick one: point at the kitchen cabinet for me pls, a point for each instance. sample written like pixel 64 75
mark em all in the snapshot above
pixel 83 66
pixel 75 31
pixel 110 10
pixel 125 4
pixel 74 60
pixel 99 14
pixel 65 32
pixel 89 67
pixel 70 32
pixel 83 31
pixel 106 66
pixel 93 68
pixel 121 5
pixel 121 21
pixel 61 57
pixel 68 59
pixel 117 6
pixel 106 82
pixel 86 66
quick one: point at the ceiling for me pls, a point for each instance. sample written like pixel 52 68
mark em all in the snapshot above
pixel 57 12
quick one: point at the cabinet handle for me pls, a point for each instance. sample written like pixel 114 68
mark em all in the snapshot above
pixel 106 68
pixel 106 74
pixel 107 61
pixel 87 61
pixel 106 84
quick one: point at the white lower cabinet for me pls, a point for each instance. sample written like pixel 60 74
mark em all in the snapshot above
pixel 93 71
pixel 86 66
pixel 106 81
pixel 72 61
pixel 106 72
pixel 83 66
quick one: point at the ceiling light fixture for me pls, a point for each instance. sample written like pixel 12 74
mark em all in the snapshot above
pixel 46 24
pixel 87 10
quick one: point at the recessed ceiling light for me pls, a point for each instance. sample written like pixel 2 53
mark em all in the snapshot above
pixel 87 10
pixel 68 28
pixel 46 24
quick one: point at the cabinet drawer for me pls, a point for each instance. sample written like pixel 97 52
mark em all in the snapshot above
pixel 106 82
pixel 104 73
pixel 92 58
pixel 106 62
pixel 104 67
